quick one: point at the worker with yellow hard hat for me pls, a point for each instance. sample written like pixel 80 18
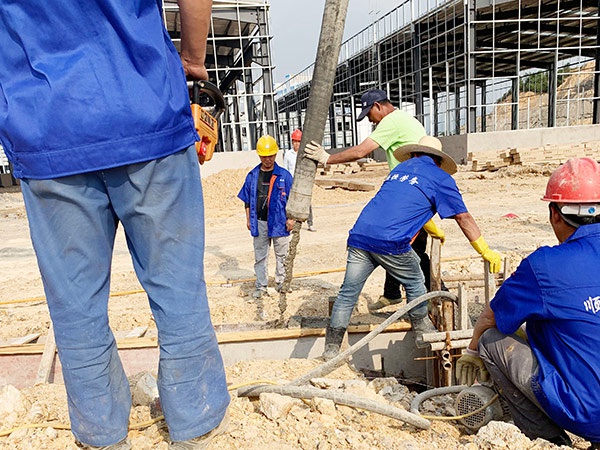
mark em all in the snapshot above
pixel 549 376
pixel 265 194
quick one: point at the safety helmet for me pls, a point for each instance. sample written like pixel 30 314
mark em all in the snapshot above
pixel 266 146
pixel 297 135
pixel 576 181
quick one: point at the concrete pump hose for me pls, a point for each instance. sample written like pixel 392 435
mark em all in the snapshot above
pixel 333 363
pixel 341 398
pixel 416 403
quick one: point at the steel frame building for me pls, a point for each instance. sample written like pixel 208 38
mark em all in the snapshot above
pixel 465 66
pixel 239 62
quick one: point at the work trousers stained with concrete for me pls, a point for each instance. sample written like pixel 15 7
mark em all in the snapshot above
pixel 73 223
pixel 262 243
pixel 512 365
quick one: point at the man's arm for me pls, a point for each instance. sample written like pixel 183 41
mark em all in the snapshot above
pixel 316 152
pixel 354 153
pixel 468 226
pixel 485 321
pixel 471 231
pixel 195 23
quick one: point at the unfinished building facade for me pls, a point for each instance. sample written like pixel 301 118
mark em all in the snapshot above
pixel 465 66
pixel 238 60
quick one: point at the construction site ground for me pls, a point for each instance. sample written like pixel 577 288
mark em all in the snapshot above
pixel 505 203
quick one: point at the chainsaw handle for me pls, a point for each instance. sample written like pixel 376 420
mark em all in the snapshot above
pixel 213 92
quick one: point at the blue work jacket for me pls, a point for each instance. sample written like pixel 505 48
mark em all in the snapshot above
pixel 281 183
pixel 409 197
pixel 556 292
pixel 89 86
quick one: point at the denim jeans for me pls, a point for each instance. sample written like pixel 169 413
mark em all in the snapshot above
pixel 73 221
pixel 262 243
pixel 359 266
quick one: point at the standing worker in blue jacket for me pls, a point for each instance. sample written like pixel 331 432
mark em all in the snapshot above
pixel 550 377
pixel 412 193
pixel 265 194
pixel 95 118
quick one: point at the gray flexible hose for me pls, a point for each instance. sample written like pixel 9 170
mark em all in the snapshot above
pixel 414 406
pixel 333 363
pixel 341 398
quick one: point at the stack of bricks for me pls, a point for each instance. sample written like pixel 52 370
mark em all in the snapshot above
pixel 548 154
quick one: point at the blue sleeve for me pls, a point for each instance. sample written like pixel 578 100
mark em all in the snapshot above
pixel 244 194
pixel 288 184
pixel 448 201
pixel 519 299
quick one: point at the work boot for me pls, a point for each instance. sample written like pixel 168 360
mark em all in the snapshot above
pixel 333 341
pixel 564 439
pixel 382 302
pixel 121 445
pixel 259 292
pixel 202 442
pixel 279 288
pixel 421 326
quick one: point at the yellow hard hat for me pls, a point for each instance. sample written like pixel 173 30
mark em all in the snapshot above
pixel 266 146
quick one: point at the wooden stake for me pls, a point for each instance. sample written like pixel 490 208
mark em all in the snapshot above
pixel 43 374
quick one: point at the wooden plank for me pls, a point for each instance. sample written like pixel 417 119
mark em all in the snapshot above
pixel 244 336
pixel 45 367
pixel 136 332
pixel 19 340
pixel 463 311
pixel 489 285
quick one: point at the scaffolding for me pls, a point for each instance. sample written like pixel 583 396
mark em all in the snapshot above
pixel 465 66
pixel 238 60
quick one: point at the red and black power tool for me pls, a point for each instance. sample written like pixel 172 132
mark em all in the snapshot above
pixel 205 120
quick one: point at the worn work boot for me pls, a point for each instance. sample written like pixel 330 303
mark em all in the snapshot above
pixel 122 445
pixel 259 292
pixel 421 326
pixel 333 341
pixel 202 442
pixel 382 302
pixel 564 439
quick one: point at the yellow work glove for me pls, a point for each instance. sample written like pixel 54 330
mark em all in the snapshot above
pixel 316 152
pixel 470 367
pixel 488 254
pixel 435 232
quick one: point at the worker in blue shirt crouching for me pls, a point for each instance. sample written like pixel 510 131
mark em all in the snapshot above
pixel 413 192
pixel 549 375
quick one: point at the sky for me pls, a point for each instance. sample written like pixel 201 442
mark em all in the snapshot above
pixel 296 25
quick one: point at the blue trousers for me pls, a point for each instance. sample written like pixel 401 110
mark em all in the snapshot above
pixel 73 221
pixel 360 265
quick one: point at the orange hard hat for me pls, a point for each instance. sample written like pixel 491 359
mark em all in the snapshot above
pixel 267 146
pixel 297 135
pixel 576 181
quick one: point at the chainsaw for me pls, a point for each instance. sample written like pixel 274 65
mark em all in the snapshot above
pixel 206 121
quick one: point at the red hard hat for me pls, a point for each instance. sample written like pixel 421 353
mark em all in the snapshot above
pixel 576 181
pixel 296 135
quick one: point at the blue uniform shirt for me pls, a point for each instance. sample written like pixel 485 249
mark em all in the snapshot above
pixel 410 196
pixel 556 291
pixel 281 182
pixel 89 85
